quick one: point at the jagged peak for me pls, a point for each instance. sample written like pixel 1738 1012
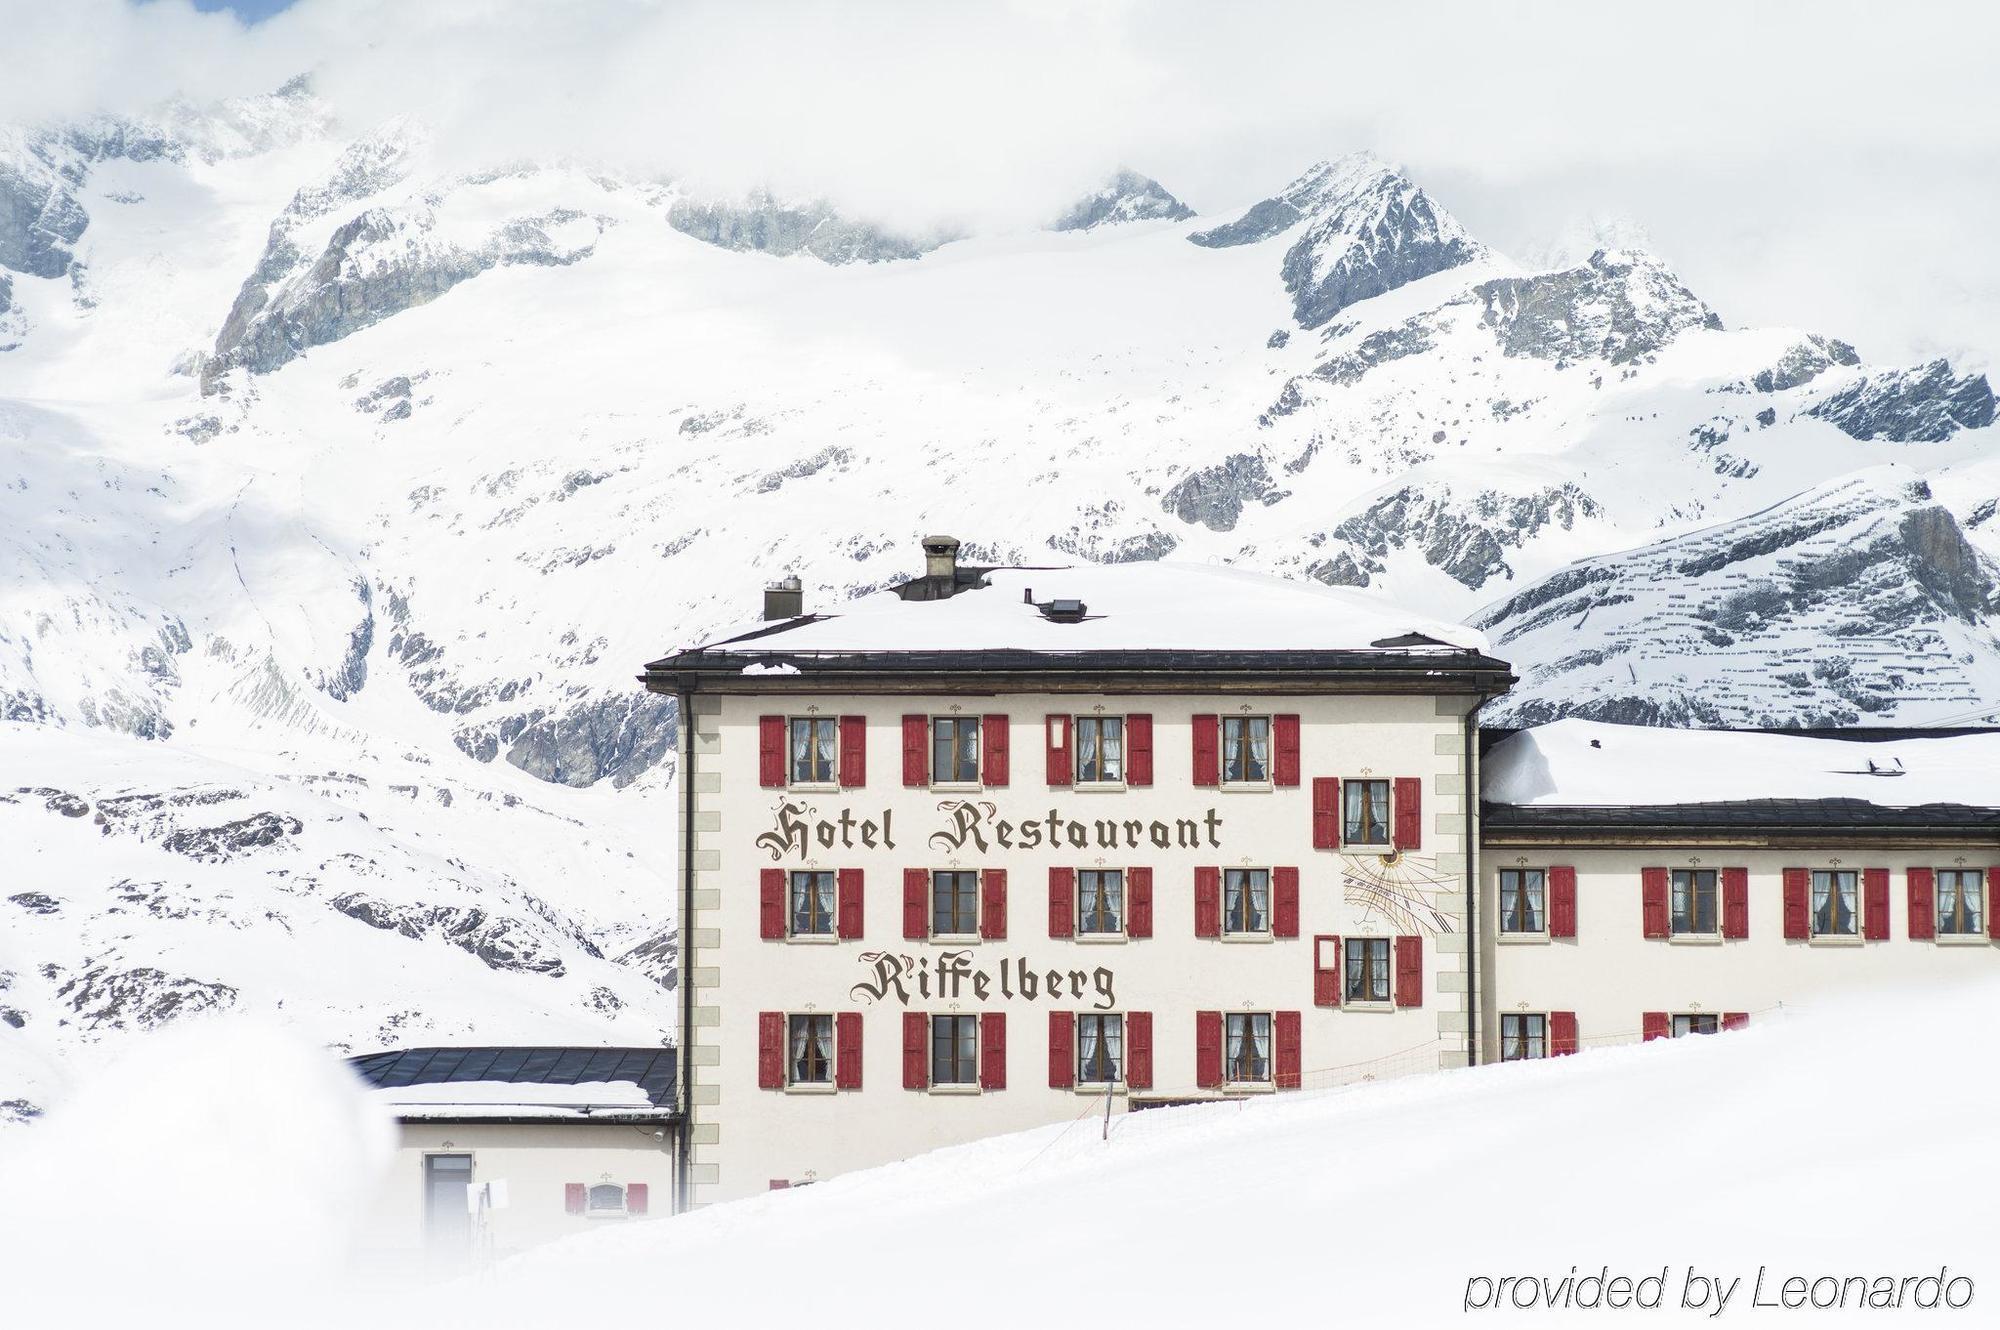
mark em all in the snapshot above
pixel 1126 197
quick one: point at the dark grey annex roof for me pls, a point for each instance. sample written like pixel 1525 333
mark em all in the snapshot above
pixel 1831 817
pixel 653 1070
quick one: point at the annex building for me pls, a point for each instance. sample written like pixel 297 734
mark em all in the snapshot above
pixel 1003 845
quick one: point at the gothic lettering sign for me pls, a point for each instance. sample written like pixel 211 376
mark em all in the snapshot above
pixel 951 976
pixel 976 827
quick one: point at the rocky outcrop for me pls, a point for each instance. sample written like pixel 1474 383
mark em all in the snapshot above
pixel 41 220
pixel 617 737
pixel 1927 404
pixel 1618 307
pixel 763 224
pixel 1215 496
pixel 1859 599
pixel 1804 362
pixel 498 942
pixel 232 840
pixel 141 997
pixel 1126 197
pixel 1463 536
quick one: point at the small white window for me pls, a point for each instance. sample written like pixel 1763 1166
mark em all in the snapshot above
pixel 1958 902
pixel 1697 1022
pixel 1367 969
pixel 1100 1049
pixel 1835 912
pixel 811 750
pixel 1100 750
pixel 1694 909
pixel 812 904
pixel 1246 749
pixel 1246 901
pixel 1523 900
pixel 954 903
pixel 1366 812
pixel 809 1052
pixel 1523 1036
pixel 606 1200
pixel 1246 1048
pixel 954 1050
pixel 955 750
pixel 1100 902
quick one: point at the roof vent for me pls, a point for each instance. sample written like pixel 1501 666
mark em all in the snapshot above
pixel 1063 611
pixel 1892 767
pixel 784 599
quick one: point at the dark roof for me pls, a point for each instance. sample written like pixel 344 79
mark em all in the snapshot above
pixel 653 1070
pixel 1820 815
pixel 1490 735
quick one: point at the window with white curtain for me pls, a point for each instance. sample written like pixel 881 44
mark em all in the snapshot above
pixel 1100 901
pixel 1100 750
pixel 1246 1047
pixel 1246 748
pixel 606 1200
pixel 1366 809
pixel 1246 900
pixel 1100 1049
pixel 1696 1022
pixel 812 904
pixel 1835 912
pixel 810 1056
pixel 1523 1035
pixel 812 750
pixel 1522 894
pixel 1367 969
pixel 1693 901
pixel 1958 902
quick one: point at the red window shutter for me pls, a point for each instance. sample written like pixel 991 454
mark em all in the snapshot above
pixel 1207 750
pixel 1326 813
pixel 1655 1025
pixel 847 1050
pixel 1653 902
pixel 1798 918
pixel 770 1050
pixel 1409 971
pixel 1138 1050
pixel 771 902
pixel 771 751
pixel 1326 971
pixel 1208 902
pixel 1562 901
pixel 1062 1050
pixel 1055 736
pixel 1875 903
pixel 1284 902
pixel 573 1194
pixel 916 750
pixel 916 1051
pixel 853 752
pixel 1285 1034
pixel 1993 903
pixel 1735 1020
pixel 1139 749
pixel 1562 1033
pixel 993 735
pixel 993 904
pixel 781 1184
pixel 1285 739
pixel 1138 902
pixel 848 919
pixel 1409 813
pixel 1207 1048
pixel 1923 904
pixel 1736 902
pixel 1062 901
pixel 916 903
pixel 993 1050
pixel 638 1197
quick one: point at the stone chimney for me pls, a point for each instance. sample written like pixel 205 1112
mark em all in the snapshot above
pixel 784 599
pixel 941 561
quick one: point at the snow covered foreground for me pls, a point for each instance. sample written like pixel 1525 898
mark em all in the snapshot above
pixel 1855 1139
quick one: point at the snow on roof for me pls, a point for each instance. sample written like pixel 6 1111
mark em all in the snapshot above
pixel 463 1099
pixel 1584 763
pixel 1132 606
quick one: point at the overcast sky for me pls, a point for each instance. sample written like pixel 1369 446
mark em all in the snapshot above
pixel 1830 165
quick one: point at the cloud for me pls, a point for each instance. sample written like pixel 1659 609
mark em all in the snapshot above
pixel 1803 162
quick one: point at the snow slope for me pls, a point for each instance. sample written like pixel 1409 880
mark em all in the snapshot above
pixel 1856 1138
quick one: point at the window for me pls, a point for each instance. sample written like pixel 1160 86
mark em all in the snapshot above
pixel 954 903
pixel 1367 812
pixel 1834 913
pixel 1522 898
pixel 1100 750
pixel 1246 1048
pixel 1693 909
pixel 447 1223
pixel 1246 900
pixel 811 750
pixel 606 1200
pixel 1702 1022
pixel 1100 1049
pixel 809 1056
pixel 954 1050
pixel 812 904
pixel 955 750
pixel 1100 901
pixel 1523 1036
pixel 1246 748
pixel 1368 969
pixel 1958 902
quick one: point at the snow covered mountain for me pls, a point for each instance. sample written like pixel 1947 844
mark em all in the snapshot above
pixel 322 455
